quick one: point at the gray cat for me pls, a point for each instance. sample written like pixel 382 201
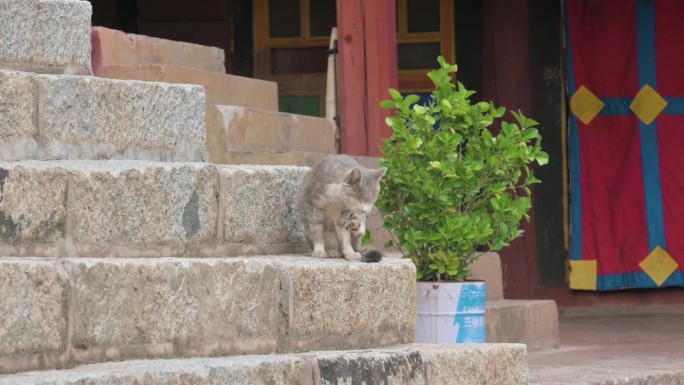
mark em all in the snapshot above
pixel 333 201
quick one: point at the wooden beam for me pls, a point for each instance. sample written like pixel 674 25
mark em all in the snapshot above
pixel 381 67
pixel 352 77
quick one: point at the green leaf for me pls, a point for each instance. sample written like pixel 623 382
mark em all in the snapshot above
pixel 542 158
pixel 499 112
pixel 387 104
pixel 411 99
pixel 531 122
pixel 530 133
pixel 395 94
pixel 483 106
pixel 436 164
pixel 418 109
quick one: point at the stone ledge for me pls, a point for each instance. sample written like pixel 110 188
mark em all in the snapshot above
pixel 117 48
pixel 234 128
pixel 81 117
pixel 530 322
pixel 95 310
pixel 327 302
pixel 32 307
pixel 106 208
pixel 45 36
pixel 504 364
pixel 258 204
pixel 116 208
pixel 285 158
pixel 220 88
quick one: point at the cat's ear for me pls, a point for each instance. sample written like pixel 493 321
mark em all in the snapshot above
pixel 378 173
pixel 353 176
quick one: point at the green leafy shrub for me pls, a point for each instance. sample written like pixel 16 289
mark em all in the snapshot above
pixel 454 189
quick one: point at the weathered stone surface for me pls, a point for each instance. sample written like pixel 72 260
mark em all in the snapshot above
pixel 530 322
pixel 81 117
pixel 403 365
pixel 187 306
pixel 231 128
pixel 287 158
pixel 390 367
pixel 107 208
pixel 131 208
pixel 118 208
pixel 258 206
pixel 77 310
pixel 91 118
pixel 32 203
pixel 220 88
pixel 501 364
pixel 33 315
pixel 18 131
pixel 337 304
pixel 282 158
pixel 116 48
pixel 45 36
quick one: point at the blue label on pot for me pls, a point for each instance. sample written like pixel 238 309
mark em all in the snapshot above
pixel 470 313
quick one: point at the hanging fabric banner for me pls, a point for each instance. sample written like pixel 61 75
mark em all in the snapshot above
pixel 625 74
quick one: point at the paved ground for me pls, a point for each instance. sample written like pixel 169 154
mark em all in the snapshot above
pixel 633 345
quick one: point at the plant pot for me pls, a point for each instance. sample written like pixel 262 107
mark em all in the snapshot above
pixel 451 312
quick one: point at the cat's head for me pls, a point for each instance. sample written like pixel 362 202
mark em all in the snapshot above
pixel 363 186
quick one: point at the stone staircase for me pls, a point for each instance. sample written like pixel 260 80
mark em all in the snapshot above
pixel 120 242
pixel 243 124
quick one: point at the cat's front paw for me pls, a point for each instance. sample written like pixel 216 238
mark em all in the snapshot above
pixel 353 225
pixel 332 253
pixel 352 256
pixel 319 254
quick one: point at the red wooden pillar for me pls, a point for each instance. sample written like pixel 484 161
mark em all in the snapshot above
pixel 351 77
pixel 381 67
pixel 367 67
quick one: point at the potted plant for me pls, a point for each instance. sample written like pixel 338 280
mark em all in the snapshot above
pixel 455 188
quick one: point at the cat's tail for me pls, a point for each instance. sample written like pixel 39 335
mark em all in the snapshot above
pixel 371 255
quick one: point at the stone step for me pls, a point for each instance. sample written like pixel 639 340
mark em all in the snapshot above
pixel 116 48
pixel 264 158
pixel 530 322
pixel 234 128
pixel 83 117
pixel 45 36
pixel 411 364
pixel 128 208
pixel 221 89
pixel 136 208
pixel 287 158
pixel 67 311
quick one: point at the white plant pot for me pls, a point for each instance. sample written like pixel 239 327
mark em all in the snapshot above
pixel 452 312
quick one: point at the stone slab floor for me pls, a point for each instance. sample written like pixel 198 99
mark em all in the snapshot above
pixel 626 346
